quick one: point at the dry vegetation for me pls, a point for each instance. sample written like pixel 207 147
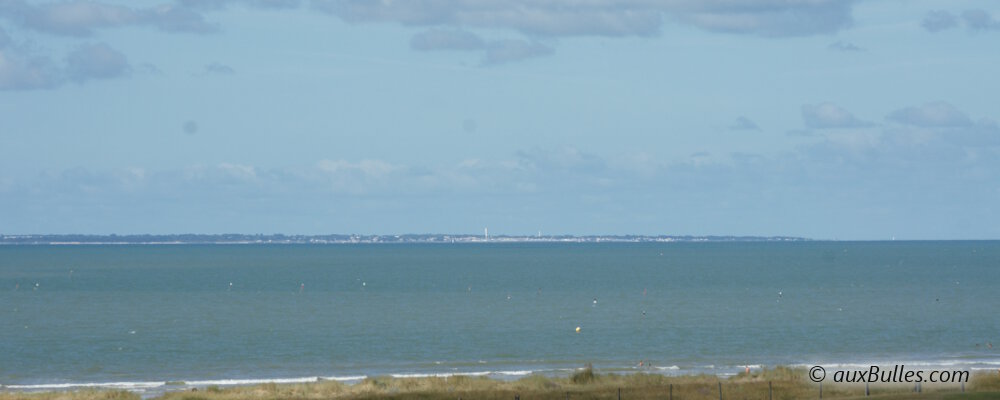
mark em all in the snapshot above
pixel 784 383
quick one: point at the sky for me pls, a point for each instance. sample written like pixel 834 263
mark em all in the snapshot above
pixel 826 119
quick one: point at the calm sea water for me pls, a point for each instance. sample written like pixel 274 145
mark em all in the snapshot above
pixel 143 315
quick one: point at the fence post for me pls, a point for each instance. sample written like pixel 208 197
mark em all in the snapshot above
pixel 619 393
pixel 821 390
pixel 770 391
pixel 867 391
pixel 671 391
pixel 720 390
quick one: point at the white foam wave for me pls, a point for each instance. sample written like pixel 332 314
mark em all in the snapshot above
pixel 837 365
pixel 239 382
pixel 439 375
pixel 345 378
pixel 108 385
pixel 141 386
pixel 670 368
pixel 971 364
pixel 471 373
pixel 515 373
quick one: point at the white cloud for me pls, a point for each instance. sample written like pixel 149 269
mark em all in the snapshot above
pixel 219 69
pixel 494 52
pixel 566 159
pixel 19 71
pixel 829 183
pixel 96 61
pixel 980 20
pixel 943 122
pixel 81 18
pixel 604 17
pixel 829 115
pixel 744 124
pixel 845 47
pixel 768 18
pixel 939 20
pixel 238 171
pixel 366 168
pixel 171 18
pixel 538 20
pixel 976 20
pixel 217 4
pixel 22 70
pixel 934 114
pixel 77 17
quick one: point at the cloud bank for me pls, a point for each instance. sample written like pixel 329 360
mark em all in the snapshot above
pixel 449 24
pixel 930 169
pixel 612 18
pixel 975 20
pixel 450 20
pixel 81 18
pixel 934 114
pixel 95 61
pixel 22 69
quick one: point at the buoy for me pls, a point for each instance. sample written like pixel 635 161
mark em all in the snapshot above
pixel 578 329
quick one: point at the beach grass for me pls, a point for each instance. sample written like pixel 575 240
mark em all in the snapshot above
pixel 87 394
pixel 777 383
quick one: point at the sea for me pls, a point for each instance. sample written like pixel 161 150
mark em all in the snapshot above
pixel 156 318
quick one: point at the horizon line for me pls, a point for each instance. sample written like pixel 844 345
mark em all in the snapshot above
pixel 7 237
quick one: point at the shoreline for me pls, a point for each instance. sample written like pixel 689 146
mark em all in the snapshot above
pixel 784 382
pixel 163 389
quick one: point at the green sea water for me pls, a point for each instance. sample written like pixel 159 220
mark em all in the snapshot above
pixel 138 316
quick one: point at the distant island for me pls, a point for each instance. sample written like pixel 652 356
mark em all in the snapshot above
pixel 79 239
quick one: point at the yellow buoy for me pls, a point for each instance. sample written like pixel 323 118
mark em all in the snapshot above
pixel 578 329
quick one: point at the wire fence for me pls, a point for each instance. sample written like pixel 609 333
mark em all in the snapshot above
pixel 763 390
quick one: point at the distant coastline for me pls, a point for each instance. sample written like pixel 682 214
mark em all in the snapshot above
pixel 80 239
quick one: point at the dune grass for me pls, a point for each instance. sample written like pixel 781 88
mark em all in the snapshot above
pixel 88 394
pixel 585 384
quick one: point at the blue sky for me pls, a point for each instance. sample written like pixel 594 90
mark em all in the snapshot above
pixel 816 118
